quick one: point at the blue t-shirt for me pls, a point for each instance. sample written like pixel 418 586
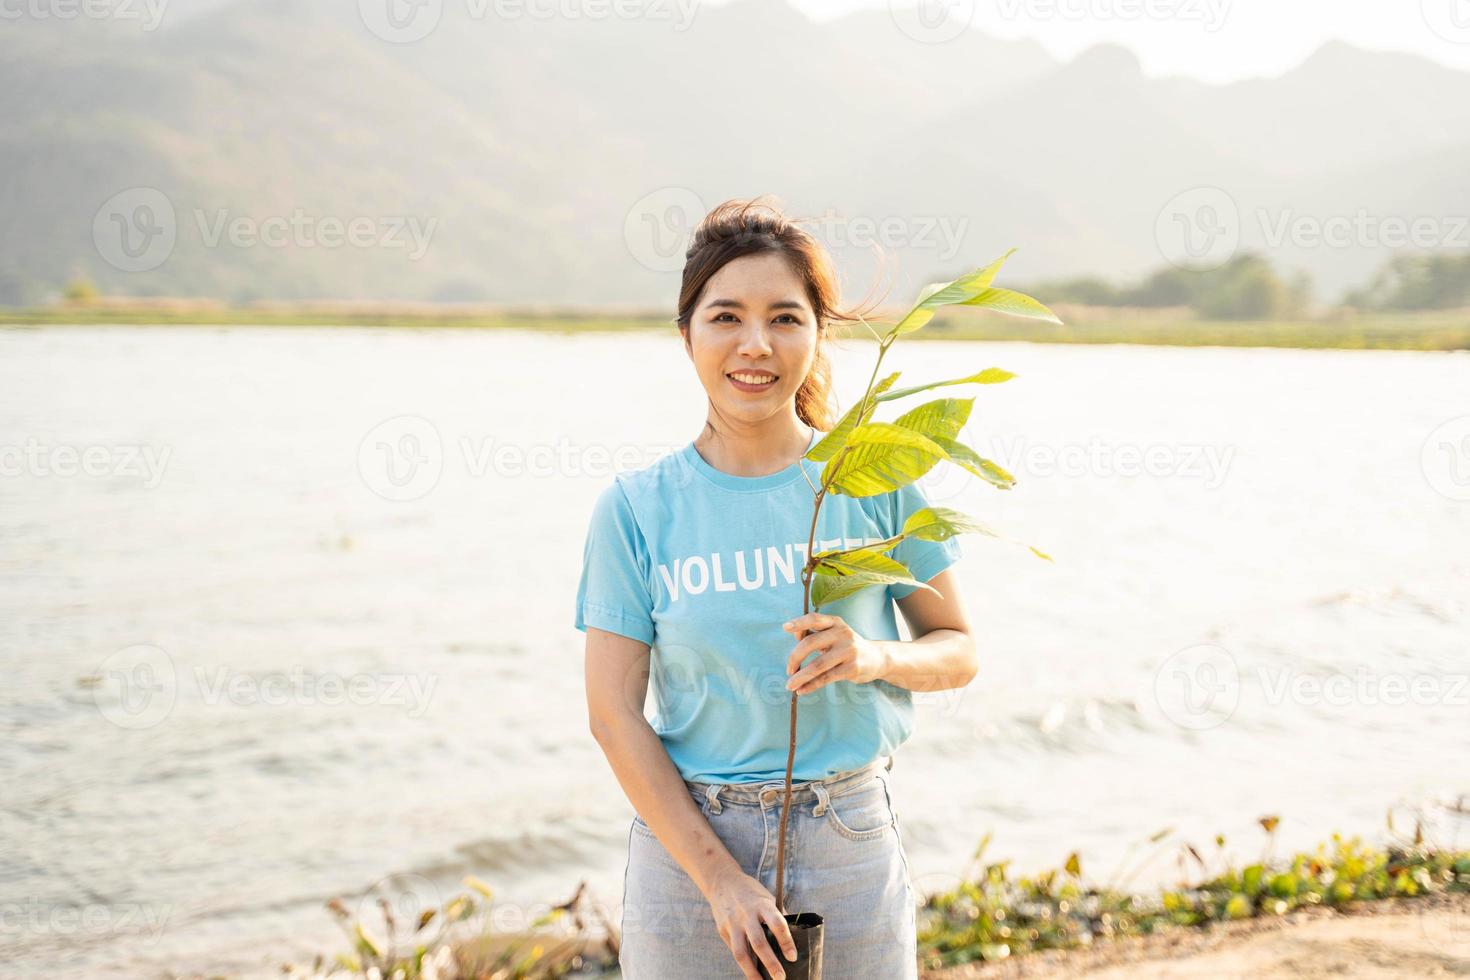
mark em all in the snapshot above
pixel 704 567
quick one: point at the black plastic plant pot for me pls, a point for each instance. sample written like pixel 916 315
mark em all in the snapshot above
pixel 806 933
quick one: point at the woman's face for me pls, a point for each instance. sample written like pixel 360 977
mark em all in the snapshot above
pixel 754 321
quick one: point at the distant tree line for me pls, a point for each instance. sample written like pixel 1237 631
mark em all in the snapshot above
pixel 1248 288
pixel 1244 288
pixel 1437 281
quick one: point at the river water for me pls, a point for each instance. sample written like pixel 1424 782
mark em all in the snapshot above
pixel 287 613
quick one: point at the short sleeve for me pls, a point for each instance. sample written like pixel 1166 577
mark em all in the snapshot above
pixel 925 559
pixel 613 594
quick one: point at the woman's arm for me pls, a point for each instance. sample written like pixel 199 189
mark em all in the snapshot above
pixel 942 653
pixel 617 683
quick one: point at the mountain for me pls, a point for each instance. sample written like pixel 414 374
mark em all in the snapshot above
pixel 533 160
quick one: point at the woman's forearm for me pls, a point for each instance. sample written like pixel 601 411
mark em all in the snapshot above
pixel 937 661
pixel 653 785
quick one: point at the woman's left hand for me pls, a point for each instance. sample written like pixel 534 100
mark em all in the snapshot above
pixel 845 656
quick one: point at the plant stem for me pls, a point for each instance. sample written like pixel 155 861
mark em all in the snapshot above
pixel 806 607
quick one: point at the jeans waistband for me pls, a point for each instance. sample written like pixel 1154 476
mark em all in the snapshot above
pixel 772 792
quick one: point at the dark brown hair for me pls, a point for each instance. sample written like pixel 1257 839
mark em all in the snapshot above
pixel 740 227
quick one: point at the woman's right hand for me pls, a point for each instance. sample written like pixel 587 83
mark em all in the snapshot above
pixel 740 904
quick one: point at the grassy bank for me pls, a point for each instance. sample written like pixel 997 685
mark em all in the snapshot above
pixel 992 922
pixel 1437 330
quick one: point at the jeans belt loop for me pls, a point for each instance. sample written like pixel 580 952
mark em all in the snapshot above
pixel 823 800
pixel 712 798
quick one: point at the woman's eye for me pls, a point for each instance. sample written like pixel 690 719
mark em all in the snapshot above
pixel 787 317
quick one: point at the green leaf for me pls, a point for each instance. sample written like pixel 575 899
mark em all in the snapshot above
pixel 1012 302
pixel 940 523
pixel 827 589
pixel 962 455
pixel 880 457
pixel 940 419
pixel 935 295
pixel 990 376
pixel 869 559
pixel 869 563
pixel 833 441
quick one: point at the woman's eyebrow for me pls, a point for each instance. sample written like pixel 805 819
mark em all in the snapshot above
pixel 785 304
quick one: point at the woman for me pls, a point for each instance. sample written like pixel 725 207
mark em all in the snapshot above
pixel 697 558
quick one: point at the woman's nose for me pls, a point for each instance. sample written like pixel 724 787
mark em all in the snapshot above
pixel 754 340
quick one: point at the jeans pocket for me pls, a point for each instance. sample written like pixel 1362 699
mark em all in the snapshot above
pixel 863 813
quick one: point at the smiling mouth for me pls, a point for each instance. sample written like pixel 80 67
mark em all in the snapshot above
pixel 752 380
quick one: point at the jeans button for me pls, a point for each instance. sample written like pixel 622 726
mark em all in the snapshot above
pixel 768 796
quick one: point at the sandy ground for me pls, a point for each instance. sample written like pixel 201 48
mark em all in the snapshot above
pixel 1388 940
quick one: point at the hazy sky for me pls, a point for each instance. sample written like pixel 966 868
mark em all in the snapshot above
pixel 1216 40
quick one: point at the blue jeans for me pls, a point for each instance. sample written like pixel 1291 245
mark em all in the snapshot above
pixel 844 861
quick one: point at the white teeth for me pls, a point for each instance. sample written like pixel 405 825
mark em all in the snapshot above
pixel 753 379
